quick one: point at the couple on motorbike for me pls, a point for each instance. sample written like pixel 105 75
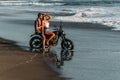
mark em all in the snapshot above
pixel 42 27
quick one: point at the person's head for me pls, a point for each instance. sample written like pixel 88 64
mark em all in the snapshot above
pixel 40 15
pixel 46 16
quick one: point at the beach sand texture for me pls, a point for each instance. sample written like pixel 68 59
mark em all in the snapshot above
pixel 18 64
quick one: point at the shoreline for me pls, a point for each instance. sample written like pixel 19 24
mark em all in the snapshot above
pixel 65 24
pixel 19 64
pixel 82 25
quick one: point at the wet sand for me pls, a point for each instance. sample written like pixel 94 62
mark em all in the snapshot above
pixel 18 64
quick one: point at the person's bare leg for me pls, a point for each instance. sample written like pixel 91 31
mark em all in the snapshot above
pixel 43 45
pixel 51 37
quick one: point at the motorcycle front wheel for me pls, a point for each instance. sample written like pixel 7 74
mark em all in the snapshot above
pixel 35 43
pixel 67 44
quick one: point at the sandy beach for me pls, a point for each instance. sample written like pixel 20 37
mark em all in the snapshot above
pixel 18 64
pixel 92 25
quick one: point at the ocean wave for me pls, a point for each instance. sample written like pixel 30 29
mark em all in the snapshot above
pixel 27 3
pixel 65 3
pixel 102 15
pixel 92 3
pixel 59 3
pixel 12 3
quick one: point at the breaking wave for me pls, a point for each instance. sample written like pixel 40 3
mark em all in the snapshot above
pixel 26 3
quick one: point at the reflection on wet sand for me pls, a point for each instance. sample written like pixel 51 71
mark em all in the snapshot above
pixel 55 57
pixel 58 58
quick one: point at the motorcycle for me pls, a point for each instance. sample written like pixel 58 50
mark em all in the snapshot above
pixel 59 59
pixel 36 40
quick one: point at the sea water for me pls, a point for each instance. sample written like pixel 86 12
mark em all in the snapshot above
pixel 105 12
pixel 96 53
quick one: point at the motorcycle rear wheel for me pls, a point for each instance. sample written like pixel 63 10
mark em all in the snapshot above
pixel 35 43
pixel 67 44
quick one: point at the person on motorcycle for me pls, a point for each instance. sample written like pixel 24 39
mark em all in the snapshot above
pixel 39 28
pixel 47 29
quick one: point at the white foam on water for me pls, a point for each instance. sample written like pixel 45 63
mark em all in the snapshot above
pixel 94 14
pixel 106 16
pixel 20 3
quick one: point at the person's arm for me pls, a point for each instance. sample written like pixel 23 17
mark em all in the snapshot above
pixel 42 29
pixel 48 17
pixel 38 26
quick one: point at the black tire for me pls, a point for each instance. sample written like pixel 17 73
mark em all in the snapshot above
pixel 66 55
pixel 67 44
pixel 35 43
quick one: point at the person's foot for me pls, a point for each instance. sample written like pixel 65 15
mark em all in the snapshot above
pixel 43 50
pixel 47 43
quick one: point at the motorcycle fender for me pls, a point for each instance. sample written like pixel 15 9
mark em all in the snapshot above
pixel 36 36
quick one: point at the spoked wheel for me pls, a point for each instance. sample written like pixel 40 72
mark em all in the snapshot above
pixel 66 54
pixel 67 44
pixel 35 43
